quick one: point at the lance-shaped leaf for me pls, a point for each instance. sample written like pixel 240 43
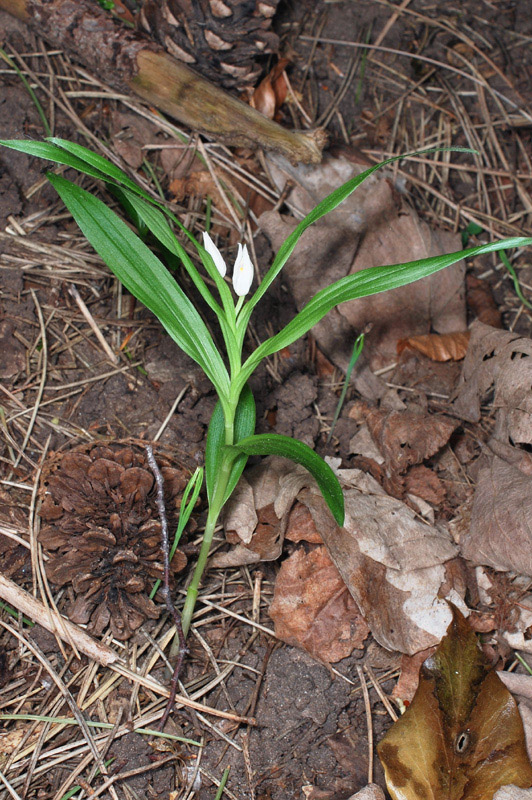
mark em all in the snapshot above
pixel 272 444
pixel 327 205
pixel 462 737
pixel 363 284
pixel 145 276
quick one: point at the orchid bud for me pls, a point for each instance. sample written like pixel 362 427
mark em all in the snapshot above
pixel 243 272
pixel 215 254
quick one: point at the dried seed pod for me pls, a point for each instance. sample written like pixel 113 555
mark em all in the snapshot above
pixel 102 533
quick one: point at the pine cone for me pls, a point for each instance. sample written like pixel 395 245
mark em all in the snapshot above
pixel 102 533
pixel 221 39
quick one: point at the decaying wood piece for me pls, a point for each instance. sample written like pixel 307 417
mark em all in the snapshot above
pixel 130 62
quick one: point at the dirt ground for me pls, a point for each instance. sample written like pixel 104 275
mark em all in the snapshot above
pixel 60 389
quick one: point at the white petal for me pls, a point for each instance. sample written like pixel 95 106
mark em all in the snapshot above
pixel 243 272
pixel 213 251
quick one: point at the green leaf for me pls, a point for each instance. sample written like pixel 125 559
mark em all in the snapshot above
pixel 149 210
pixel 80 160
pixel 156 223
pixel 244 426
pixel 266 444
pixel 363 284
pixel 145 276
pixel 327 205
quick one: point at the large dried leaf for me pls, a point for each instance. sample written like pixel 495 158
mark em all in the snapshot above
pixel 501 360
pixel 500 534
pixel 462 737
pixel 393 564
pixel 375 226
pixel 313 609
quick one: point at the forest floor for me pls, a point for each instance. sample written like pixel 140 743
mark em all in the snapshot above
pixel 82 365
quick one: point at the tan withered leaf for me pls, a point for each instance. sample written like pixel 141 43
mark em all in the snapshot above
pixel 437 346
pixel 462 737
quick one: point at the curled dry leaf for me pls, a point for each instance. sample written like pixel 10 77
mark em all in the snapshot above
pixel 481 301
pixel 437 346
pixel 405 437
pixel 424 483
pixel 500 535
pixel 271 92
pixel 301 526
pixel 501 360
pixel 313 609
pixel 462 737
pixel 256 515
pixel 408 681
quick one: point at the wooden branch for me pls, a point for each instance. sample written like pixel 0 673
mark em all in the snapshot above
pixel 48 618
pixel 101 653
pixel 130 62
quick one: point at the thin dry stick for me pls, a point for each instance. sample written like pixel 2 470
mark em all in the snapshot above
pixel 165 546
pixel 113 358
pixel 369 722
pixel 44 357
pixel 386 703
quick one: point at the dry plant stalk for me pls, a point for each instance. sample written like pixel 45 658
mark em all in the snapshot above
pixel 133 63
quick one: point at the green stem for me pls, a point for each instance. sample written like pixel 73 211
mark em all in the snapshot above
pixel 212 519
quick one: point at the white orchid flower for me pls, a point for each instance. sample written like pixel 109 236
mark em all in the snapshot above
pixel 243 272
pixel 243 269
pixel 210 247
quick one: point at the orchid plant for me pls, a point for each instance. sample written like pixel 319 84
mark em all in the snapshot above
pixel 231 437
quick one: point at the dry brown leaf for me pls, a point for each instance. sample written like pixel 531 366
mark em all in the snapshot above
pixel 394 565
pixel 481 302
pixel 271 92
pixel 313 609
pixel 500 360
pixel 391 561
pixel 256 515
pixel 462 737
pixel 130 133
pixel 408 681
pixel 301 526
pixel 500 534
pixel 424 483
pixel 437 346
pixel 404 438
pixel 372 227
